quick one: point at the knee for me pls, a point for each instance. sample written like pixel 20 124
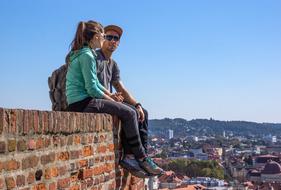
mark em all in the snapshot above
pixel 132 113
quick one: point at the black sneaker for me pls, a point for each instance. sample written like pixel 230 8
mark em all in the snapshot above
pixel 150 167
pixel 132 165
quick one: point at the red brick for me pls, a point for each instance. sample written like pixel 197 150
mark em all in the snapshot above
pixel 62 141
pixel 52 186
pixel 74 187
pixel 63 156
pixel 36 122
pixel 77 139
pixel 25 122
pixel 39 143
pixel 20 123
pixel 98 123
pixel 31 144
pixel 6 121
pixel 40 186
pixel 51 122
pixel 13 122
pixel 20 180
pixel 47 142
pixel 31 178
pixel 50 172
pixel 71 123
pixel 30 122
pixel 111 147
pixel 1 166
pixel 102 138
pixel 108 167
pixel 101 179
pixel 74 177
pixel 92 123
pixel 70 140
pixel 30 162
pixel 83 163
pixel 10 182
pixel 87 151
pixel 85 173
pixel 49 158
pixel 90 139
pixel 101 149
pixel 74 154
pixel 2 183
pixel 56 140
pixel 89 182
pixel 45 119
pixel 63 183
pixel 62 170
pixel 26 188
pixel 84 140
pixel 63 121
pixel 2 147
pixel 11 165
pixel 98 170
pixel 77 122
pixel 21 146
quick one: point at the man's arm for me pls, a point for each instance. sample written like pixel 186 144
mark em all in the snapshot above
pixel 128 98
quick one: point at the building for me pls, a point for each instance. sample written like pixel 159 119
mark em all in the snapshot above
pixel 171 134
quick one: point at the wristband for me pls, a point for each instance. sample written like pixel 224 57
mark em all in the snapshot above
pixel 137 105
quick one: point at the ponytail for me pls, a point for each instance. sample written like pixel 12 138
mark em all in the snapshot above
pixel 84 33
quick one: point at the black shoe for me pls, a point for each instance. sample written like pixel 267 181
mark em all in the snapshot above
pixel 150 167
pixel 133 167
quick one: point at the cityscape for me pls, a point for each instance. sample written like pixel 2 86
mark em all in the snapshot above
pixel 225 160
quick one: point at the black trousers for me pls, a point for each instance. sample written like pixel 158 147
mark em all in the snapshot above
pixel 143 131
pixel 126 113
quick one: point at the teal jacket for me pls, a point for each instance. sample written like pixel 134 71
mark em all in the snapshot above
pixel 81 77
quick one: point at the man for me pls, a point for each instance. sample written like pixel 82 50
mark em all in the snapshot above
pixel 109 76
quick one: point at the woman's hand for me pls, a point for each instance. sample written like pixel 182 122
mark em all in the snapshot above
pixel 117 97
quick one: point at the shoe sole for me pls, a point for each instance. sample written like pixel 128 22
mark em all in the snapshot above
pixel 134 172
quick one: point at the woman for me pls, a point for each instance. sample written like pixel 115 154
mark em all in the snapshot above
pixel 85 93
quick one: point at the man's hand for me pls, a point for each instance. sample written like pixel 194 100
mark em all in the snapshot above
pixel 141 113
pixel 117 97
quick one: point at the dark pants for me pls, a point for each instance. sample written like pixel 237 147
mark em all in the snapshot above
pixel 127 115
pixel 143 131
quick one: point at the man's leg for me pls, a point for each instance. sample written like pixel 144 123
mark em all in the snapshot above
pixel 143 131
pixel 128 118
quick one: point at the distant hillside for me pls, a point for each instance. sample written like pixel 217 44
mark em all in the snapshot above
pixel 207 127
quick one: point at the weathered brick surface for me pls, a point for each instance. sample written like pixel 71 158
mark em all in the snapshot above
pixel 30 162
pixel 41 150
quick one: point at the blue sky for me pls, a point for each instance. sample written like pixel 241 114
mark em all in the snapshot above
pixel 189 59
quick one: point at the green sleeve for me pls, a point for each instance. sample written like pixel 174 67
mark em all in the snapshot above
pixel 89 71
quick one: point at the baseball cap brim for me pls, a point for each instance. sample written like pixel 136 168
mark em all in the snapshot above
pixel 115 28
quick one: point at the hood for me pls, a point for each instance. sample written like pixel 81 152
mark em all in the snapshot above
pixel 74 54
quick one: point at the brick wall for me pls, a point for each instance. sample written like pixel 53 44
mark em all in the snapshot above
pixel 61 150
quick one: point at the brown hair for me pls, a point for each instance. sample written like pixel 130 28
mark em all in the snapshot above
pixel 84 33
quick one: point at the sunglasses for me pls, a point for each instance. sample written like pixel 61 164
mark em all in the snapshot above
pixel 111 37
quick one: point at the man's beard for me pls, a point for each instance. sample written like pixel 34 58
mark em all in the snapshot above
pixel 112 49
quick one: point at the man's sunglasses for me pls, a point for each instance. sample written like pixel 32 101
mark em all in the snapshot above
pixel 110 37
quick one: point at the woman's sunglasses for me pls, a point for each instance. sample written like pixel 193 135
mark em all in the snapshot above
pixel 111 37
